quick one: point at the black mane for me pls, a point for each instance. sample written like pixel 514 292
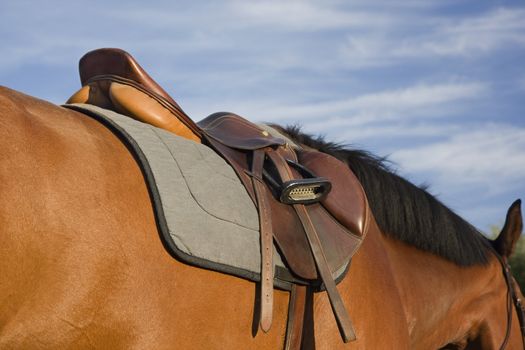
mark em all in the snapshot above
pixel 403 210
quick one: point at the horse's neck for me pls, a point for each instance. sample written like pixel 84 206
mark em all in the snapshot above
pixel 441 300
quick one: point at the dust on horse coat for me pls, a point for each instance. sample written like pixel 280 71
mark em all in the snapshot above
pixel 82 264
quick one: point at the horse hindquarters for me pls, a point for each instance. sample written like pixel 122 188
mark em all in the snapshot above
pixel 61 259
pixel 81 260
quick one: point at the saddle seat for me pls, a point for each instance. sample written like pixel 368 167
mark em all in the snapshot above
pixel 316 237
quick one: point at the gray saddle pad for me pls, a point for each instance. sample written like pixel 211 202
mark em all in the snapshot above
pixel 204 214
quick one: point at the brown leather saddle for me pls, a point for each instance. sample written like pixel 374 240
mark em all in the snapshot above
pixel 112 79
pixel 309 203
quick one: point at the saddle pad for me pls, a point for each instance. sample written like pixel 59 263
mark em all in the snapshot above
pixel 204 214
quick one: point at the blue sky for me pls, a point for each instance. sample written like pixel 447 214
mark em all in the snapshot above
pixel 438 86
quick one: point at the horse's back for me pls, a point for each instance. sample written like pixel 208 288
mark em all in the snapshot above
pixel 82 264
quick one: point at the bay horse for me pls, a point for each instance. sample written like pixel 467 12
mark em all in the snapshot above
pixel 82 265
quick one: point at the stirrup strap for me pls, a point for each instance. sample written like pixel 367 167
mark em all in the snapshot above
pixel 296 312
pixel 343 319
pixel 266 284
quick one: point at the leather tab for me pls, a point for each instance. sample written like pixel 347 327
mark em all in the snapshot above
pixel 236 132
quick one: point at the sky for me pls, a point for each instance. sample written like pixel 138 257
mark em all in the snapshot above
pixel 437 86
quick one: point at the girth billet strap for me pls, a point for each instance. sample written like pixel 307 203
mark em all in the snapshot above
pixel 343 319
pixel 296 314
pixel 266 284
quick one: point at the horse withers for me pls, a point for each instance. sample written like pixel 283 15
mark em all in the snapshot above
pixel 82 264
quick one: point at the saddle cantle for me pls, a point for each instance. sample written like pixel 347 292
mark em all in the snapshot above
pixel 317 232
pixel 112 79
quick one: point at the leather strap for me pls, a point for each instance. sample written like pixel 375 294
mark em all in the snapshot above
pixel 266 284
pixel 343 319
pixel 512 299
pixel 296 311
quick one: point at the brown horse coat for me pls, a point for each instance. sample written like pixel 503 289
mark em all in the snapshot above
pixel 82 265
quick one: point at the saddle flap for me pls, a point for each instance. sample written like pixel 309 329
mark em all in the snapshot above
pixel 338 243
pixel 341 218
pixel 236 132
pixel 347 201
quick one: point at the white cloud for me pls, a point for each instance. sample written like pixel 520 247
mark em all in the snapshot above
pixel 390 131
pixel 269 34
pixel 432 36
pixel 308 15
pixel 477 170
pixel 490 155
pixel 473 36
pixel 398 104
